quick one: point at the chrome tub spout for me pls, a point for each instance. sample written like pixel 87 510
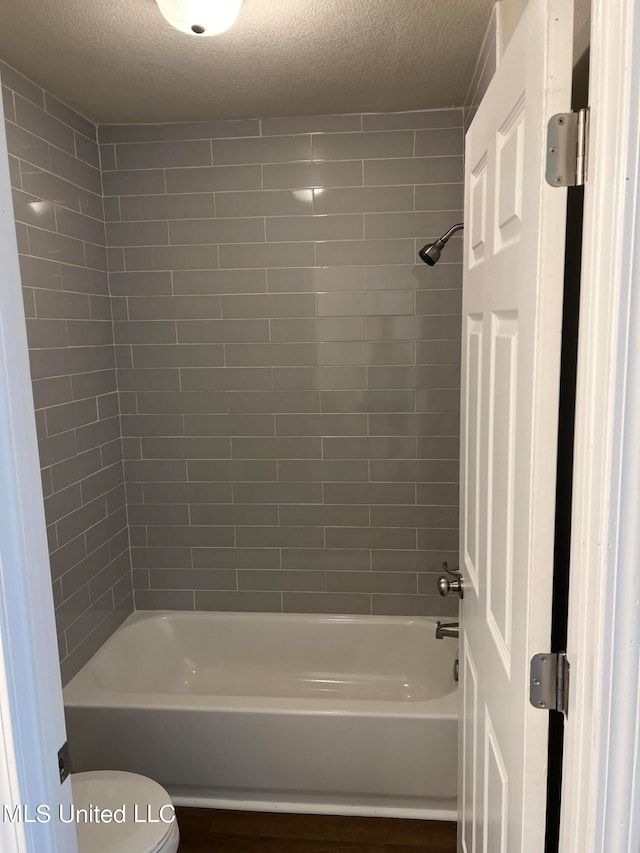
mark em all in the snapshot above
pixel 447 629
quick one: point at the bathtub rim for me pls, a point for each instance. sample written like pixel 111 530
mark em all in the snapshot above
pixel 84 691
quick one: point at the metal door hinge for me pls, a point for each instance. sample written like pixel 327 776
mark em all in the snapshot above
pixel 549 683
pixel 567 149
pixel 64 761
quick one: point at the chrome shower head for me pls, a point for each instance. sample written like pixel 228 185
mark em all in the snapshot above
pixel 430 253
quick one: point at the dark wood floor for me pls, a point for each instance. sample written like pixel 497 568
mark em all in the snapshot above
pixel 204 830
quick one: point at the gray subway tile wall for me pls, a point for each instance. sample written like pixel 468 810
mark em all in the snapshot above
pixel 288 374
pixel 57 192
pixel 253 335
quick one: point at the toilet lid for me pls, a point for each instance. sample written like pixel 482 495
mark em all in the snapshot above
pixel 141 798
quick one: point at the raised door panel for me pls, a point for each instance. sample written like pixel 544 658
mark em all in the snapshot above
pixel 501 454
pixel 509 176
pixel 471 532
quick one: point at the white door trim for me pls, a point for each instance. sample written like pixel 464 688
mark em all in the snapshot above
pixel 31 712
pixel 601 796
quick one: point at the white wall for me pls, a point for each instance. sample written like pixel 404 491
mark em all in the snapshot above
pixel 511 12
pixel 513 9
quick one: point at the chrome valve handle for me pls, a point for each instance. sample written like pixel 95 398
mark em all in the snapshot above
pixel 447 587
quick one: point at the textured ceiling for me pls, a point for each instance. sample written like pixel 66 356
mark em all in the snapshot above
pixel 119 61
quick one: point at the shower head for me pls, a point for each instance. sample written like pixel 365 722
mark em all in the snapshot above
pixel 430 253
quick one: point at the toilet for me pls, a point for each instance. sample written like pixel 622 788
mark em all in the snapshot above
pixel 140 803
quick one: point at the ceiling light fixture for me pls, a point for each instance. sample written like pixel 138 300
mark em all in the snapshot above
pixel 200 17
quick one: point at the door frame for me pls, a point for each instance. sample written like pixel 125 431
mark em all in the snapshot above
pixel 32 728
pixel 601 798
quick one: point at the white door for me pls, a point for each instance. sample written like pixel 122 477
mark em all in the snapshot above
pixel 31 712
pixel 512 317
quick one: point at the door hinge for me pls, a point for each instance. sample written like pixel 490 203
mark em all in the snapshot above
pixel 64 761
pixel 549 682
pixel 567 149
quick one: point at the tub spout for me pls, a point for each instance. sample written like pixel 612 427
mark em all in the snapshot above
pixel 448 629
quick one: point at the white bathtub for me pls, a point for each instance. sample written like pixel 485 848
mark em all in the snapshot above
pixel 327 714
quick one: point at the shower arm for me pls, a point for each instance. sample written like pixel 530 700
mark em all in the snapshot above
pixel 450 232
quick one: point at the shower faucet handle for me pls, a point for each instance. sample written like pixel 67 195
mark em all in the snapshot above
pixel 455 573
pixel 446 587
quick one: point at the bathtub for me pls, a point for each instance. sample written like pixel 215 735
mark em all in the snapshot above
pixel 272 712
